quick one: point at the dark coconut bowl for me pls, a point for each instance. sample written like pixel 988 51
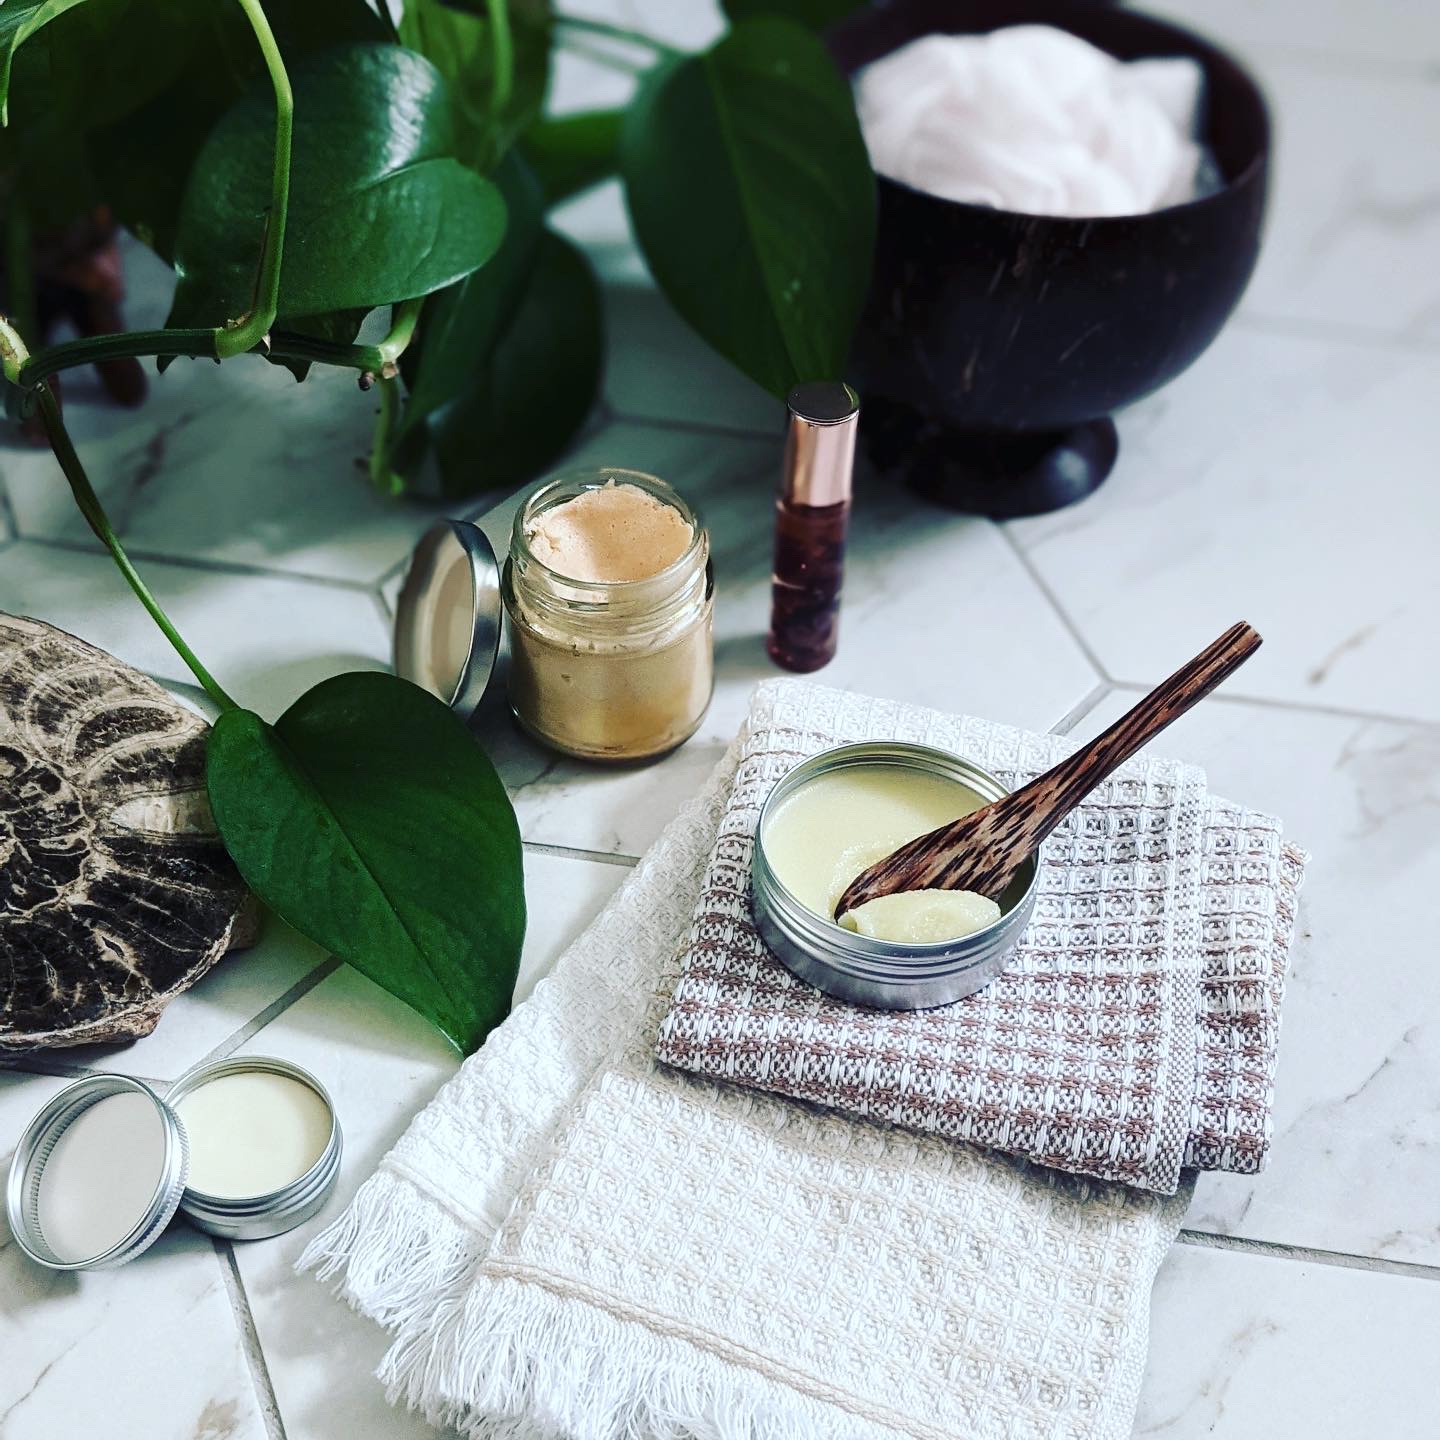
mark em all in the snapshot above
pixel 996 345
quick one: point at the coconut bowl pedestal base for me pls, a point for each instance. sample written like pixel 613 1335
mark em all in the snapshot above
pixel 1003 476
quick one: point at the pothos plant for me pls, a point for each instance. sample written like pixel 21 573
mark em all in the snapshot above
pixel 304 163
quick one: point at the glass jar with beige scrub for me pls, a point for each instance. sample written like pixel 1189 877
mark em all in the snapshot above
pixel 610 593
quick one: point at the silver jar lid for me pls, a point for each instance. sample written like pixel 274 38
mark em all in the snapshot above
pixel 151 1177
pixel 447 616
pixel 159 1169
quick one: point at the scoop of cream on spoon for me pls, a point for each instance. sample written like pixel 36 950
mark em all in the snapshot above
pixel 922 917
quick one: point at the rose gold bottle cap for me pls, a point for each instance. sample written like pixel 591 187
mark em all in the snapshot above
pixel 820 443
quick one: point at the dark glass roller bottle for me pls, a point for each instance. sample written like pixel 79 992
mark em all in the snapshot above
pixel 812 514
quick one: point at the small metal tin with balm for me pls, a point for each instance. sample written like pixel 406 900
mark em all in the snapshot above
pixel 103 1167
pixel 885 974
pixel 286 1194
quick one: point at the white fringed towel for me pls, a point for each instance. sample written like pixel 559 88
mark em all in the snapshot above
pixel 573 1241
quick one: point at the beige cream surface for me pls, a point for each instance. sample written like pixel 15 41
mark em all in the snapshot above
pixel 252 1133
pixel 922 917
pixel 618 532
pixel 840 823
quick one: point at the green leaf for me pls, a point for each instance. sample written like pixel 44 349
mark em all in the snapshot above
pixel 460 326
pixel 573 152
pixel 380 209
pixel 752 197
pixel 461 43
pixel 66 67
pixel 141 166
pixel 106 58
pixel 369 817
pixel 812 14
pixel 142 163
pixel 19 20
pixel 43 161
pixel 523 403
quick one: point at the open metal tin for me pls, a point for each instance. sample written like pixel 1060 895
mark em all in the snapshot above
pixel 159 1172
pixel 257 1217
pixel 882 973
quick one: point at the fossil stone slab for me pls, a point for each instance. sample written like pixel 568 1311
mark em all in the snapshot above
pixel 115 891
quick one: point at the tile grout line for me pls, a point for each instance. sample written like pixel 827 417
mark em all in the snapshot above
pixel 571 852
pixel 249 1339
pixel 390 572
pixel 1301 707
pixel 382 606
pixel 1335 1259
pixel 1053 600
pixel 1082 707
pixel 272 1011
pixel 238 568
pixel 8 517
pixel 63 1069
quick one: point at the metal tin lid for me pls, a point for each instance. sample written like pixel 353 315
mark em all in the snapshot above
pixel 447 618
pixel 66 1225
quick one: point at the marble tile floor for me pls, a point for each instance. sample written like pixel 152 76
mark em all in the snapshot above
pixel 1287 477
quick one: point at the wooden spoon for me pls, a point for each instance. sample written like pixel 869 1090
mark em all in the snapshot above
pixel 982 851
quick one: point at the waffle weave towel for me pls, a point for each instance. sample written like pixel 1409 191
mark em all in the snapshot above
pixel 574 1241
pixel 1133 1032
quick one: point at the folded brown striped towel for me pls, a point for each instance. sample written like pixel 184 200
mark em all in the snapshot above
pixel 1135 1029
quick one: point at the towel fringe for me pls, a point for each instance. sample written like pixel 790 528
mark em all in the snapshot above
pixel 509 1360
pixel 392 1251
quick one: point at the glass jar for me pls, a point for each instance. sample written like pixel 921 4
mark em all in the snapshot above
pixel 609 670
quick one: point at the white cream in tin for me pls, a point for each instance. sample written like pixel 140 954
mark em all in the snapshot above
pixel 842 821
pixel 252 1132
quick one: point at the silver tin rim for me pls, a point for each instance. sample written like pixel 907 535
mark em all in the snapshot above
pixel 881 973
pixel 257 1217
pixel 415 604
pixel 38 1143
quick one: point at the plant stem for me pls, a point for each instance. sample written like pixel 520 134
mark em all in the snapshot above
pixel 12 351
pixel 286 346
pixel 617 32
pixel 502 56
pixel 201 344
pixel 381 475
pixel 99 522
pixel 597 56
pixel 134 343
pixel 252 328
pixel 403 317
